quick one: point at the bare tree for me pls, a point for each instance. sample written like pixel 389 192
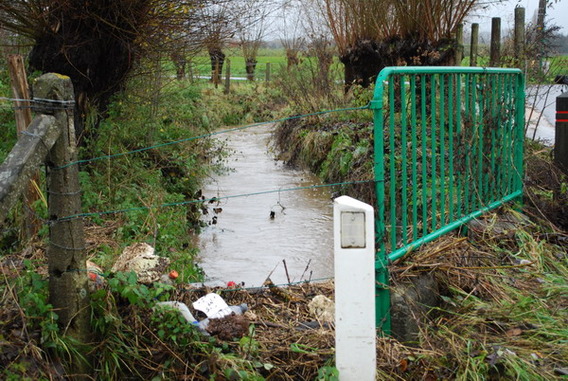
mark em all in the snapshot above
pixel 372 34
pixel 251 29
pixel 320 45
pixel 218 26
pixel 96 43
pixel 292 34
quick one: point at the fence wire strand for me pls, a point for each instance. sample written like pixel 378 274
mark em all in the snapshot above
pixel 197 201
pixel 160 145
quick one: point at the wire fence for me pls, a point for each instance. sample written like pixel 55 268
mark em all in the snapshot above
pixel 58 105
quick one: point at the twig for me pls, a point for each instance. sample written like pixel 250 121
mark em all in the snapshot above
pixel 306 269
pixel 286 270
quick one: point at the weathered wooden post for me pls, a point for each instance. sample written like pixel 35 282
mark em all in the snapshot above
pixel 541 16
pixel 268 72
pixel 561 133
pixel 459 42
pixel 68 292
pixel 519 39
pixel 23 112
pixel 191 74
pixel 474 44
pixel 227 89
pixel 495 49
pixel 217 73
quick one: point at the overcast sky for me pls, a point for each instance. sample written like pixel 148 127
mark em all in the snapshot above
pixel 556 14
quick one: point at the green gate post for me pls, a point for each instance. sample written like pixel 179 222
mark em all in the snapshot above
pixel 382 293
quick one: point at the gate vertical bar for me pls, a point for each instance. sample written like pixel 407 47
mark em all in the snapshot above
pixel 442 125
pixel 434 190
pixel 423 101
pixel 459 131
pixel 520 120
pixel 414 158
pixel 392 174
pixel 382 293
pixel 451 137
pixel 404 159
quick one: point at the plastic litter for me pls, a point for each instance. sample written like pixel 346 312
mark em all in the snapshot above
pixel 213 306
pixel 182 308
pixel 141 259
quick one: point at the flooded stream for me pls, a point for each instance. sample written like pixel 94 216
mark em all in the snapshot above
pixel 249 238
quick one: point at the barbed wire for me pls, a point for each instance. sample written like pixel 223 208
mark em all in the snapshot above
pixel 196 201
pixel 37 103
pixel 210 134
pixel 37 100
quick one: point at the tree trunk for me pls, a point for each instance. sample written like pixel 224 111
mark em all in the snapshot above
pixel 363 62
pixel 90 50
pixel 180 63
pixel 366 58
pixel 292 58
pixel 217 58
pixel 250 68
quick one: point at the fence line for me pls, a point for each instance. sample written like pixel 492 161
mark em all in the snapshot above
pixel 160 145
pixel 45 104
pixel 197 201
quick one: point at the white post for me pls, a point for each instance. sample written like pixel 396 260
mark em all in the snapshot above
pixel 355 332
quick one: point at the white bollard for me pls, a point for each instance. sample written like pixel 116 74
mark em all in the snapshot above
pixel 355 332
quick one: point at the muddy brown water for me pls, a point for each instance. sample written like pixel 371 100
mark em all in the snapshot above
pixel 242 243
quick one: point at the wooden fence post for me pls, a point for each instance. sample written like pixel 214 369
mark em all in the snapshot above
pixel 495 50
pixel 217 73
pixel 23 113
pixel 459 43
pixel 561 133
pixel 68 292
pixel 519 39
pixel 541 16
pixel 268 72
pixel 474 44
pixel 227 89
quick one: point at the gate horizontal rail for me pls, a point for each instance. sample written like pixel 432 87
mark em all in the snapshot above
pixel 448 148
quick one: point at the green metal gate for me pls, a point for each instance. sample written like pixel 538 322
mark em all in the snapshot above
pixel 448 147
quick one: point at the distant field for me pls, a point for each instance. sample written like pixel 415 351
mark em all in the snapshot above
pixel 276 58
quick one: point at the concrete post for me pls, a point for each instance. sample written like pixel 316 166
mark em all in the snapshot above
pixel 66 251
pixel 355 332
pixel 459 42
